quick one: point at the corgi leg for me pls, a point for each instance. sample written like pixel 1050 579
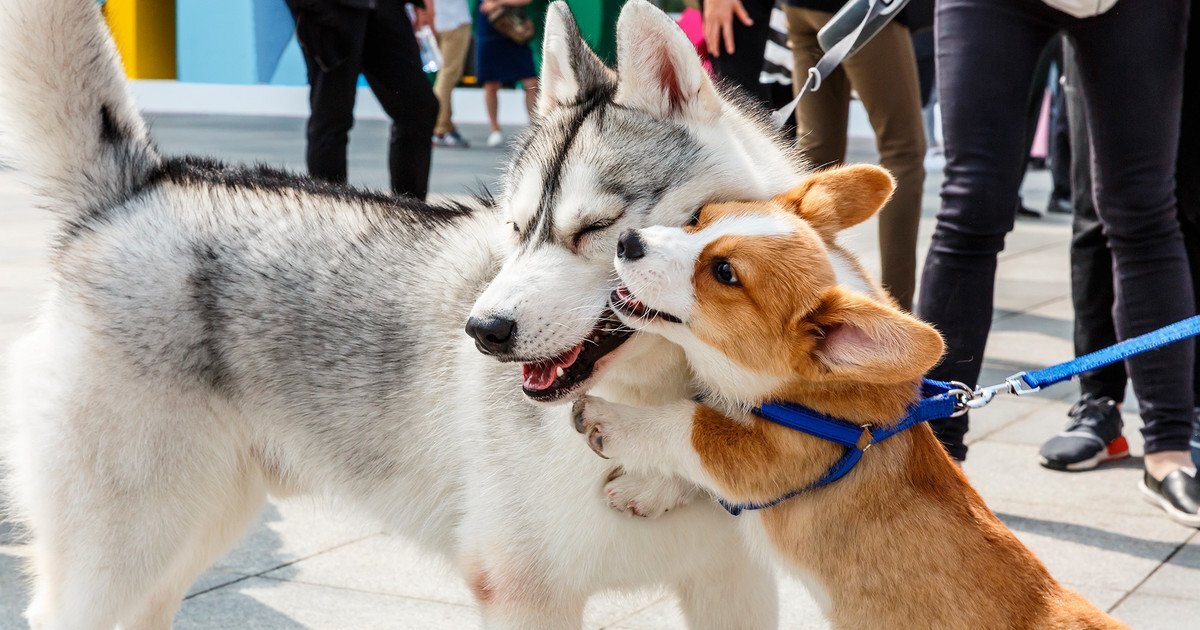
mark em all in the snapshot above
pixel 642 438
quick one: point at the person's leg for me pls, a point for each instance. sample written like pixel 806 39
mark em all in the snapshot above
pixel 743 67
pixel 1060 137
pixel 332 44
pixel 1134 146
pixel 821 116
pixel 392 65
pixel 986 53
pixel 884 72
pixel 1094 431
pixel 454 45
pixel 1091 262
pixel 1187 187
pixel 491 101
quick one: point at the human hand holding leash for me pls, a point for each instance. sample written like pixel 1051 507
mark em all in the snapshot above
pixel 718 23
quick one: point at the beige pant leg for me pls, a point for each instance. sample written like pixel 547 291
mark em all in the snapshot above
pixel 884 73
pixel 454 45
pixel 821 116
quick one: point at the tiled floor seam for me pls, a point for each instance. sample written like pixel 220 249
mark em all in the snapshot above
pixel 631 615
pixel 366 592
pixel 280 566
pixel 1000 316
pixel 1014 254
pixel 1147 577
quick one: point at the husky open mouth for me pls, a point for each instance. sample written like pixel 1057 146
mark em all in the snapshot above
pixel 551 379
pixel 623 302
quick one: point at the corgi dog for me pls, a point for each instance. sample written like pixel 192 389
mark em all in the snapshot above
pixel 767 307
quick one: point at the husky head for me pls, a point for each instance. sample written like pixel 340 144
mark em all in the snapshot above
pixel 647 145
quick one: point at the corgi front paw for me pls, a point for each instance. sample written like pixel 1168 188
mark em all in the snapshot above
pixel 645 496
pixel 594 417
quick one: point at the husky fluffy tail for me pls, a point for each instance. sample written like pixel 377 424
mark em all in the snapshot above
pixel 67 121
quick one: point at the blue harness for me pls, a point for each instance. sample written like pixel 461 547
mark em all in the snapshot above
pixel 943 400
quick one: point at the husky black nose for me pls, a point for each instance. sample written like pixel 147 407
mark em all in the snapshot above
pixel 493 335
pixel 629 247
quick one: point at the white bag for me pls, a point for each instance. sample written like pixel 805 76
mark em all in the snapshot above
pixel 1081 8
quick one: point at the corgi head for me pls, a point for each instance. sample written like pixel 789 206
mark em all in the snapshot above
pixel 760 296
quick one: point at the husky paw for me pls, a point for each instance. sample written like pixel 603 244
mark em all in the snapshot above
pixel 645 496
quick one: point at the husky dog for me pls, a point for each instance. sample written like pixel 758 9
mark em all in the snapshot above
pixel 216 334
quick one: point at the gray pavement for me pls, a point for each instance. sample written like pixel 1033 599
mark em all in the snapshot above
pixel 309 565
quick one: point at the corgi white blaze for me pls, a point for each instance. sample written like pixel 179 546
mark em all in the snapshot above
pixel 662 278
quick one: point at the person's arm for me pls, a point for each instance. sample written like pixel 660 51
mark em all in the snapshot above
pixel 718 23
pixel 424 12
pixel 487 6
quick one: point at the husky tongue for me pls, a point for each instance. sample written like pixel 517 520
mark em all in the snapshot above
pixel 539 376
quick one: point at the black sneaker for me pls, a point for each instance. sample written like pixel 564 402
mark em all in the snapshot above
pixel 1092 437
pixel 1178 494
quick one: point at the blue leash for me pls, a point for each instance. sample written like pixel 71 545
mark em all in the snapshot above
pixel 944 400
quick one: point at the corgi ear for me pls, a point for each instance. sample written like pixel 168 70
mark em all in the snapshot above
pixel 855 338
pixel 835 199
pixel 658 70
pixel 570 70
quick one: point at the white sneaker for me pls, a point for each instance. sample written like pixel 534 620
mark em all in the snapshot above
pixel 495 139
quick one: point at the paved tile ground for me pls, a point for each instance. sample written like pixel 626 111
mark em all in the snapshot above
pixel 309 566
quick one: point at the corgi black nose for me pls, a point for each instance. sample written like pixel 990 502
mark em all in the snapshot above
pixel 493 335
pixel 629 247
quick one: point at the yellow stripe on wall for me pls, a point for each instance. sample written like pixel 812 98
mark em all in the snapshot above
pixel 145 35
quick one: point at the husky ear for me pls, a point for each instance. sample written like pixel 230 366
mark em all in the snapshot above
pixel 837 198
pixel 658 70
pixel 570 69
pixel 852 337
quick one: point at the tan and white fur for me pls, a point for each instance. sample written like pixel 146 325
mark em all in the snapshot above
pixel 767 306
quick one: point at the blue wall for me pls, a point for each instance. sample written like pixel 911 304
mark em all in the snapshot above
pixel 237 41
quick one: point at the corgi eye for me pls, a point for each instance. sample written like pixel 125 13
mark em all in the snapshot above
pixel 723 272
pixel 694 220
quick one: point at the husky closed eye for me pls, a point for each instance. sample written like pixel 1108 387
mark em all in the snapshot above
pixel 598 226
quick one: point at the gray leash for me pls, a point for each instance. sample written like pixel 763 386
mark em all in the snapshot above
pixel 876 15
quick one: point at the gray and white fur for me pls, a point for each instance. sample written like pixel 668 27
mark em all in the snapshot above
pixel 215 334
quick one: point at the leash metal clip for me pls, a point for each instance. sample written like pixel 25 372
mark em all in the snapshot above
pixel 979 398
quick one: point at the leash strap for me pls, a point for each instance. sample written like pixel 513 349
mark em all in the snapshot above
pixel 830 60
pixel 1153 340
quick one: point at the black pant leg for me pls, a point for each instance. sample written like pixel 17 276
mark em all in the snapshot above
pixel 1135 144
pixel 1060 132
pixel 986 54
pixel 744 66
pixel 392 65
pixel 1187 184
pixel 1091 262
pixel 332 42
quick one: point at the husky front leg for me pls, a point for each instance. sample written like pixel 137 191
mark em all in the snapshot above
pixel 512 593
pixel 732 590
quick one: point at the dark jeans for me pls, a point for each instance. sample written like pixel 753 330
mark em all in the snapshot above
pixel 340 43
pixel 744 67
pixel 987 52
pixel 1060 135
